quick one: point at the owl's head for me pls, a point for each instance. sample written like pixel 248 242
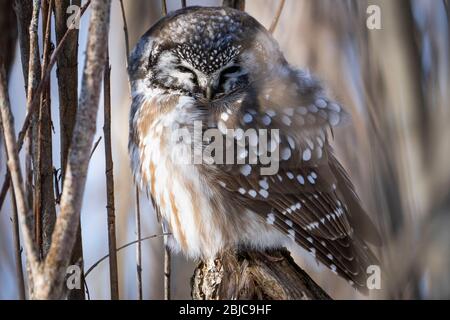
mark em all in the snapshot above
pixel 204 52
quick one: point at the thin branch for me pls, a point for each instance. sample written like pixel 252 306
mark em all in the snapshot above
pixel 5 188
pixel 167 263
pixel 274 24
pixel 66 226
pixel 163 8
pixel 125 30
pixel 139 245
pixel 24 211
pixel 109 171
pixel 138 209
pixel 95 147
pixel 34 103
pixel 167 270
pixel 17 248
pixel 120 248
pixel 34 76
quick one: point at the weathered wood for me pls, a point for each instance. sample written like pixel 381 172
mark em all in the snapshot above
pixel 270 275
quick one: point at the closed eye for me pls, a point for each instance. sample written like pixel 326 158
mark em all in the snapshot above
pixel 230 70
pixel 184 69
pixel 226 73
pixel 230 78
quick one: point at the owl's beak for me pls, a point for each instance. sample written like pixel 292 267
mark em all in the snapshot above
pixel 209 92
pixel 211 87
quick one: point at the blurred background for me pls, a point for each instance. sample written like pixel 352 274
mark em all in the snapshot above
pixel 395 83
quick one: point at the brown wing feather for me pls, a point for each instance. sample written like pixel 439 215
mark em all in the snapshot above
pixel 311 198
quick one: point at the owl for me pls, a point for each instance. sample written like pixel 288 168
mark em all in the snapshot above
pixel 205 76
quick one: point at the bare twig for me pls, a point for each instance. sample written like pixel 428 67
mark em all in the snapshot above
pixel 7 40
pixel 163 7
pixel 167 264
pixel 75 180
pixel 5 188
pixel 33 105
pixel 167 270
pixel 24 211
pixel 125 30
pixel 109 171
pixel 120 248
pixel 56 178
pixel 139 246
pixel 95 147
pixel 17 249
pixel 138 213
pixel 274 24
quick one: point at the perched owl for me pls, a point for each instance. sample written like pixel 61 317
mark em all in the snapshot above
pixel 202 74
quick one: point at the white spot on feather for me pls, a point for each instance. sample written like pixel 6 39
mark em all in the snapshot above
pixel 320 103
pixel 291 142
pixel 334 107
pixel 289 111
pixel 302 110
pixel 264 184
pixel 333 118
pixel 307 154
pixel 224 116
pixel 266 120
pixel 286 120
pixel 264 193
pixel 286 153
pixel 300 179
pixel 248 118
pixel 246 170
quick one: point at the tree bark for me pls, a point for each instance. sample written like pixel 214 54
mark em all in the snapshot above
pixel 270 275
pixel 8 36
pixel 51 282
pixel 44 190
pixel 24 10
pixel 67 73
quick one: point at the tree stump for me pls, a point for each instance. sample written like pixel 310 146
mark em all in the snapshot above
pixel 244 275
